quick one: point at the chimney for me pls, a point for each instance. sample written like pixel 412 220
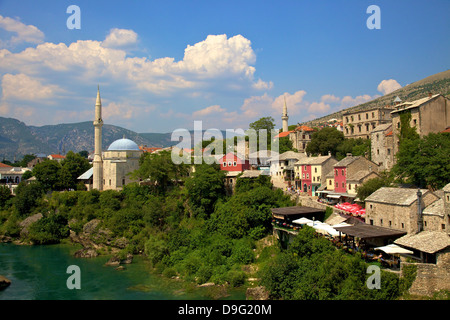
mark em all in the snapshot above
pixel 419 211
pixel 430 94
pixel 349 155
pixel 329 153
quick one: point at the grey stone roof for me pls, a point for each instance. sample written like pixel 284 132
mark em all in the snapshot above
pixel 446 188
pixel 313 160
pixel 425 241
pixel 346 161
pixel 358 176
pixel 396 196
pixel 435 208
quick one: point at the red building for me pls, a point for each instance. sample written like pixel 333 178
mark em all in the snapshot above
pixel 340 179
pixel 232 162
pixel 306 178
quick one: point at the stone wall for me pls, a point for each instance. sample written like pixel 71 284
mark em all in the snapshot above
pixel 430 277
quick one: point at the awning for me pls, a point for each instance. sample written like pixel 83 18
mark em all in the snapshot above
pixel 393 248
pixel 302 221
pixel 335 196
pixel 364 231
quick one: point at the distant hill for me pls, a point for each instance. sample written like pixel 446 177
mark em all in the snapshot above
pixel 437 83
pixel 18 139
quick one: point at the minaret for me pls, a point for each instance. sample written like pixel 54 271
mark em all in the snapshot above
pixel 98 162
pixel 285 117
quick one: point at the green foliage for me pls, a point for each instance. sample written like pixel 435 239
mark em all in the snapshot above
pixel 372 185
pixel 204 188
pixel 312 269
pixel 160 170
pixel 49 230
pixel 326 140
pixel 357 147
pixel 285 144
pixel 5 196
pixel 47 173
pixel 424 161
pixel 73 166
pixel 27 197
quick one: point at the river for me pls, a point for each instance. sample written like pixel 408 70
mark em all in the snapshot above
pixel 40 273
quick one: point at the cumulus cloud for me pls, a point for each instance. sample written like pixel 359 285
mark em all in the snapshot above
pixel 23 32
pixel 119 38
pixel 388 86
pixel 23 87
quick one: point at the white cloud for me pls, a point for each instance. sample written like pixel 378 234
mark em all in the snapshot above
pixel 294 102
pixel 330 98
pixel 348 101
pixel 262 85
pixel 208 110
pixel 119 38
pixel 318 107
pixel 23 87
pixel 24 33
pixel 388 86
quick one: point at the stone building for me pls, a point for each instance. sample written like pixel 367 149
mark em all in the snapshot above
pixel 397 208
pixel 429 114
pixel 360 124
pixel 300 137
pixel 282 166
pixel 382 146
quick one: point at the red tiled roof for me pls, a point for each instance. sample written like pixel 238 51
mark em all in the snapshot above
pixel 2 165
pixel 283 134
pixel 446 130
pixel 304 128
pixel 57 156
pixel 149 149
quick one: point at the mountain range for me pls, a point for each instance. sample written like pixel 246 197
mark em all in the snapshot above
pixel 18 139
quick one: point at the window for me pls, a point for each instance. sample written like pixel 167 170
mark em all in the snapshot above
pixel 367 116
pixel 304 168
pixel 398 124
pixel 337 185
pixel 349 185
pixel 303 176
pixel 388 151
pixel 337 172
pixel 403 225
pixel 330 182
pixel 346 130
pixel 234 163
pixel 443 226
pixel 315 170
pixel 346 119
pixel 359 117
pixel 381 222
pixel 123 182
pixel 109 181
pixel 229 163
pixel 378 151
pixel 415 122
pixel 343 185
pixel 370 206
pixel 343 172
pixel 359 128
pixel 390 223
pixel 307 176
pixel 224 164
pixel 371 222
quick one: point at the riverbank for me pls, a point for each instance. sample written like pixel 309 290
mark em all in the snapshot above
pixel 40 273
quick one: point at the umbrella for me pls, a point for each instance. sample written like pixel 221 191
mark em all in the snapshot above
pixel 302 221
pixel 393 249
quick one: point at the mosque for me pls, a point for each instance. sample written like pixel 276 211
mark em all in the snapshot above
pixel 111 168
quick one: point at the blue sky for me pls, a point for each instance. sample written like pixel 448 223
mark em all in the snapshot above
pixel 163 64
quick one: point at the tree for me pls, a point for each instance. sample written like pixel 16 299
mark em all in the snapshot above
pixel 326 140
pixel 285 144
pixel 84 154
pixel 160 170
pixel 424 161
pixel 357 147
pixel 205 187
pixel 47 173
pixel 5 196
pixel 27 197
pixel 265 123
pixel 72 167
pixel 372 185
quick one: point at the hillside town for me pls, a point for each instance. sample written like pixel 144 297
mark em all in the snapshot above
pixel 396 226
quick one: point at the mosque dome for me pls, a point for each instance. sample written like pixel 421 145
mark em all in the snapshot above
pixel 123 145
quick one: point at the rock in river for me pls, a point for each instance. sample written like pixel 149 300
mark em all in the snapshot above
pixel 4 283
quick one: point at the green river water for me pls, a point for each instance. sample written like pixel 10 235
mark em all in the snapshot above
pixel 40 273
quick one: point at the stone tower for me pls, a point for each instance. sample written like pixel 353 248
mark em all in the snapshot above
pixel 285 117
pixel 98 161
